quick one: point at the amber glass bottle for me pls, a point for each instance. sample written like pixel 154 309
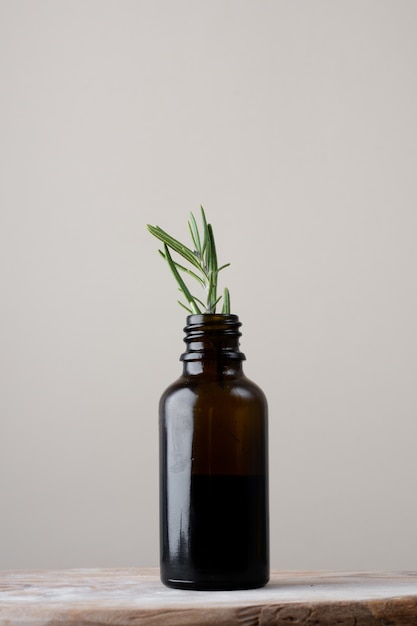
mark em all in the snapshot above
pixel 213 465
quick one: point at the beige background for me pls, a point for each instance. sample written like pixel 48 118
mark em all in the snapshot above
pixel 294 123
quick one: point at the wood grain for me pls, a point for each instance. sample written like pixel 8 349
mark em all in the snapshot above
pixel 135 597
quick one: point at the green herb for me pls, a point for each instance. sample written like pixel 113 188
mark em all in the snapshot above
pixel 203 259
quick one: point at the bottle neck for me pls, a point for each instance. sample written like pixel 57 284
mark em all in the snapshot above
pixel 212 342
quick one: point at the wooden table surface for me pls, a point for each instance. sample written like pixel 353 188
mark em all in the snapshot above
pixel 135 597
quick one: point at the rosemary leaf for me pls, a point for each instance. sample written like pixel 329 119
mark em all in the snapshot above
pixel 185 307
pixel 195 234
pixel 184 269
pixel 226 302
pixel 180 282
pixel 205 230
pixel 213 254
pixel 182 250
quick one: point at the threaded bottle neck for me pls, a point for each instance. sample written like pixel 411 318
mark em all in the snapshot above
pixel 209 336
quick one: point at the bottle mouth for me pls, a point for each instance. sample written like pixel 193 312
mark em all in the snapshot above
pixel 212 319
pixel 212 334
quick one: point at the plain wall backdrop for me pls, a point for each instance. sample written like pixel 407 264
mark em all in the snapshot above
pixel 294 123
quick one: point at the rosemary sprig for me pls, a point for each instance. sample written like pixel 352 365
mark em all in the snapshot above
pixel 203 259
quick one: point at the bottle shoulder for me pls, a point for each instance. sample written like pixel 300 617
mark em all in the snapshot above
pixel 239 386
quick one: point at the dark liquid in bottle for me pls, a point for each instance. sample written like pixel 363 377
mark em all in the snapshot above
pixel 224 535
